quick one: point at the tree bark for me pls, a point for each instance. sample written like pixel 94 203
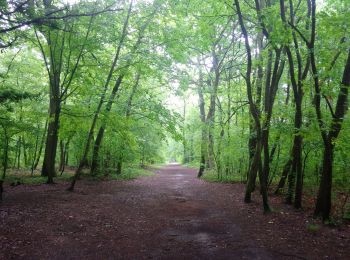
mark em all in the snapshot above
pixel 127 116
pixel 4 161
pixel 37 155
pixel 285 174
pixel 48 168
pixel 201 105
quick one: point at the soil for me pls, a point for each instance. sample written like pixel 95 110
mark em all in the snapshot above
pixel 171 215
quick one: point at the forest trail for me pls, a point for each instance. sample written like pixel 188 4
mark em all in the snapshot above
pixel 172 215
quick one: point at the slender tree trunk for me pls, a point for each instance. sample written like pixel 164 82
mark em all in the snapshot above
pixel 127 116
pixel 4 162
pixel 48 168
pixel 96 150
pixel 263 189
pixel 119 165
pixel 285 174
pixel 324 198
pixel 210 120
pixel 19 144
pixel 35 153
pixel 296 170
pixel 25 157
pixel 211 153
pixel 203 152
pixel 62 155
pixel 99 138
pixel 297 158
pixel 253 172
pixel 36 159
pixel 201 104
pixel 252 142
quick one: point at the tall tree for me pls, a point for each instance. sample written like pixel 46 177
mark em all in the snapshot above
pixel 58 53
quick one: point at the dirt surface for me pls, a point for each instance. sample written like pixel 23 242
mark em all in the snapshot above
pixel 171 215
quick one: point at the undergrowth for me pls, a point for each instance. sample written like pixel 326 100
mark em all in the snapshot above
pixel 132 173
pixel 213 176
pixel 129 173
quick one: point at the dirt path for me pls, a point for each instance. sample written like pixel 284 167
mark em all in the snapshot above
pixel 172 215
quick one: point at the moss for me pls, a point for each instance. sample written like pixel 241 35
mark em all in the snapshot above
pixel 313 228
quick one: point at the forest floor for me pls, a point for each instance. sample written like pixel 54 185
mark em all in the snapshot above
pixel 171 215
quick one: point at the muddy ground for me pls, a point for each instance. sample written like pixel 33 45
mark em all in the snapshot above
pixel 171 215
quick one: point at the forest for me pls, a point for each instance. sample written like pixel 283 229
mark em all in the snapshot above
pixel 253 92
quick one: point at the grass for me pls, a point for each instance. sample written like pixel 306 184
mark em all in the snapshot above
pixel 36 179
pixel 24 177
pixel 132 173
pixel 313 228
pixel 212 176
pixel 156 166
pixel 193 165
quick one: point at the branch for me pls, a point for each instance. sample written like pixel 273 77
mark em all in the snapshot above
pixel 329 105
pixel 43 19
pixel 299 32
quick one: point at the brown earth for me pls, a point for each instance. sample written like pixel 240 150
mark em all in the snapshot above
pixel 171 215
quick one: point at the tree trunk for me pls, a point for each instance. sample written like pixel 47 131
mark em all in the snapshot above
pixel 119 166
pixel 203 153
pixel 37 158
pixel 253 172
pixel 263 190
pixel 201 105
pixel 4 162
pixel 25 156
pixel 51 140
pixel 19 144
pixel 324 198
pixel 96 150
pixel 285 174
pixel 99 138
pixel 62 156
pixel 1 189
pixel 266 151
pixel 252 142
pixel 211 159
pixel 297 157
pixel 211 111
pixel 296 171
